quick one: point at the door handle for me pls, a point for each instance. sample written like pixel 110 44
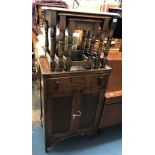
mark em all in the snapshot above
pixel 78 114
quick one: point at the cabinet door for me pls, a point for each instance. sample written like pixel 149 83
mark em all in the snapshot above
pixel 59 111
pixel 60 103
pixel 90 109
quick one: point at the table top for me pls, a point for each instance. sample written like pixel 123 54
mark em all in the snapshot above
pixel 79 12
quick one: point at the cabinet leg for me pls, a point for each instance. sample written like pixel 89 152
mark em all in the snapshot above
pixel 99 131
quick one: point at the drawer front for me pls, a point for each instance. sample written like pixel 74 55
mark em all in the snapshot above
pixel 65 84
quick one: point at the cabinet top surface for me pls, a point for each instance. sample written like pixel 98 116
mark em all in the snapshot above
pixel 77 70
pixel 79 12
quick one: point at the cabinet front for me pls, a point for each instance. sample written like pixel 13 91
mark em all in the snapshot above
pixel 73 105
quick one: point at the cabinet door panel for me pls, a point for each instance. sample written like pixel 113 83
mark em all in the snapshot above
pixel 59 111
pixel 88 107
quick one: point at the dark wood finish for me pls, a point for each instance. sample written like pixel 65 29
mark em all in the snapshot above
pixel 72 101
pixel 73 85
pixel 52 50
pixel 88 42
pixel 52 35
pixel 72 20
pixel 46 37
pixel 83 40
pixel 70 40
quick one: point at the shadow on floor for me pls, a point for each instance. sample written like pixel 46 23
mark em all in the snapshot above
pixel 109 142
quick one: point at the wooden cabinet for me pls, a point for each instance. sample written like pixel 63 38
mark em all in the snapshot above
pixel 72 102
pixel 73 83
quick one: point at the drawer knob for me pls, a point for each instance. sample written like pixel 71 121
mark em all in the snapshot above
pixel 56 84
pixel 100 80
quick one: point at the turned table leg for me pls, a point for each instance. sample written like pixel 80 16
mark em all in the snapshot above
pixel 88 42
pixel 101 45
pixel 61 50
pixel 46 37
pixel 70 40
pixel 103 36
pixel 92 52
pixel 110 35
pixel 53 46
pixel 84 39
pixel 92 43
pixel 68 61
pixel 61 43
pixel 97 57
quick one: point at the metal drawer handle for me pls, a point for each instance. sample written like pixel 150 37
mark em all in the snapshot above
pixel 79 113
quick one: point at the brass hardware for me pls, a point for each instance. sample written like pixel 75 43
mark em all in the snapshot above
pixel 79 113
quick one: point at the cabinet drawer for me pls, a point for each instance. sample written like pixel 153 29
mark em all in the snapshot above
pixel 74 82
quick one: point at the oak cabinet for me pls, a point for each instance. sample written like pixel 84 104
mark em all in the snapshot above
pixel 73 82
pixel 72 102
